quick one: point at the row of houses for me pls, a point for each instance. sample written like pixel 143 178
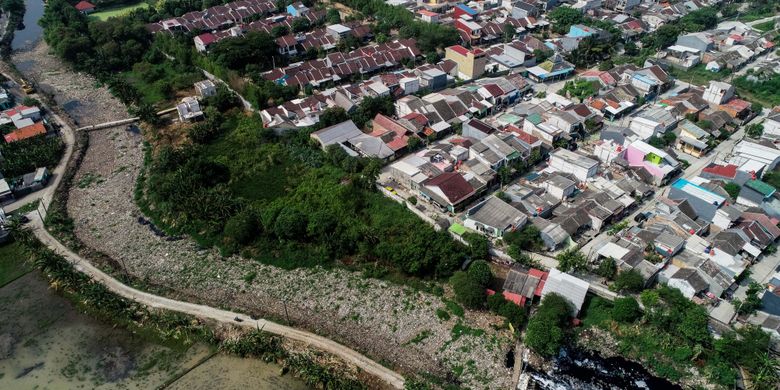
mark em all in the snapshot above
pixel 218 17
pixel 339 66
pixel 731 45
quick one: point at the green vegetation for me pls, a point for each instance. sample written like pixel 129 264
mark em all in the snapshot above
pixel 698 74
pixel 755 130
pixel 764 90
pixel 580 89
pixel 468 291
pixel 667 139
pixel 283 201
pixel 629 281
pixel 13 262
pixel 513 313
pixel 121 10
pixel 772 178
pixel 671 337
pixel 268 347
pixel 571 260
pixel 607 268
pixel 765 26
pixel 733 189
pixel 526 239
pixel 752 302
pixel 546 329
pixel 25 156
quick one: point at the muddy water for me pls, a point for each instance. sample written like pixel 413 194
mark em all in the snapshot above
pixel 45 343
pixel 30 32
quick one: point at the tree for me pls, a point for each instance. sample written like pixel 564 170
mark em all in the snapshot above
pixel 752 302
pixel 333 16
pixel 478 245
pixel 581 89
pixel 733 189
pixel 607 268
pixel 694 325
pixel 571 260
pixel 755 130
pixel 626 310
pixel 541 55
pixel 564 17
pixel 480 272
pixel 413 143
pixel 279 31
pixel 30 102
pixel 300 25
pixel 631 281
pixel 606 65
pixel 467 290
pixel 528 238
pixel 544 333
pixel 509 32
pixel 333 116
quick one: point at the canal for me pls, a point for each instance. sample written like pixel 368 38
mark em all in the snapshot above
pixel 30 32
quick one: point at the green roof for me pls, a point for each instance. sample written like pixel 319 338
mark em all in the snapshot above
pixel 534 118
pixel 457 229
pixel 509 118
pixel 764 188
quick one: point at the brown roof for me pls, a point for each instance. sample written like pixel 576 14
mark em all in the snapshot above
pixel 453 185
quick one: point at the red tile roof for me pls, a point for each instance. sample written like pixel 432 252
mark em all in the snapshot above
pixel 494 90
pixel 453 185
pixel 729 170
pixel 459 49
pixel 207 38
pixel 84 6
pixel 16 110
pixel 527 138
pixel 30 131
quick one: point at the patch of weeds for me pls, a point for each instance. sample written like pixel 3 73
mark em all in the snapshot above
pixel 454 307
pixel 250 277
pixel 460 330
pixel 420 337
pixel 443 315
pixel 89 179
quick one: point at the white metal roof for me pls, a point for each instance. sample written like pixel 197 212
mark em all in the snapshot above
pixel 613 250
pixel 569 287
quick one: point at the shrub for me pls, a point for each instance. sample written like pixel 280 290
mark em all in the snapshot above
pixel 626 310
pixel 480 272
pixel 630 281
pixel 468 291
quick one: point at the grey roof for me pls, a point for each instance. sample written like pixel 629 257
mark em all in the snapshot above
pixel 337 133
pixel 496 213
pixel 560 181
pixel 518 281
pixel 692 277
pixel 371 146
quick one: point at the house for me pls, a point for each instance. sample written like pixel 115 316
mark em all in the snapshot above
pixel 659 164
pixel 462 9
pixel 755 192
pixel 692 139
pixel 524 284
pixel 581 167
pixel 772 126
pixel 553 69
pixel 204 41
pixel 450 191
pixel 470 31
pixel 189 110
pixel 337 134
pixel 718 92
pixel 476 129
pixel 6 99
pixel 296 9
pixel 339 31
pixel 205 88
pixel 494 217
pixel 471 63
pixel 745 151
pixel 704 202
pixel 551 233
pixel 84 7
pixel 689 282
pixel 428 16
pixel 567 286
pixel 559 186
pixel 391 132
pixel 701 41
pixel 29 131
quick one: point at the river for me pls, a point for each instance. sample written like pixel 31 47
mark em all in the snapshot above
pixel 31 32
pixel 46 343
pixel 581 370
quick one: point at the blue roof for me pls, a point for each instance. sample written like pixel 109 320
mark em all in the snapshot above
pixel 467 9
pixel 698 191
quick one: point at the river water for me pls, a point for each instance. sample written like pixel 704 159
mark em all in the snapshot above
pixel 45 343
pixel 577 369
pixel 31 32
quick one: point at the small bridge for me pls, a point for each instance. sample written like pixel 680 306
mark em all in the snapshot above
pixel 121 122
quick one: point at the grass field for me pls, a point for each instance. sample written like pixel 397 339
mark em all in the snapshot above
pixel 117 11
pixel 698 75
pixel 766 26
pixel 12 262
